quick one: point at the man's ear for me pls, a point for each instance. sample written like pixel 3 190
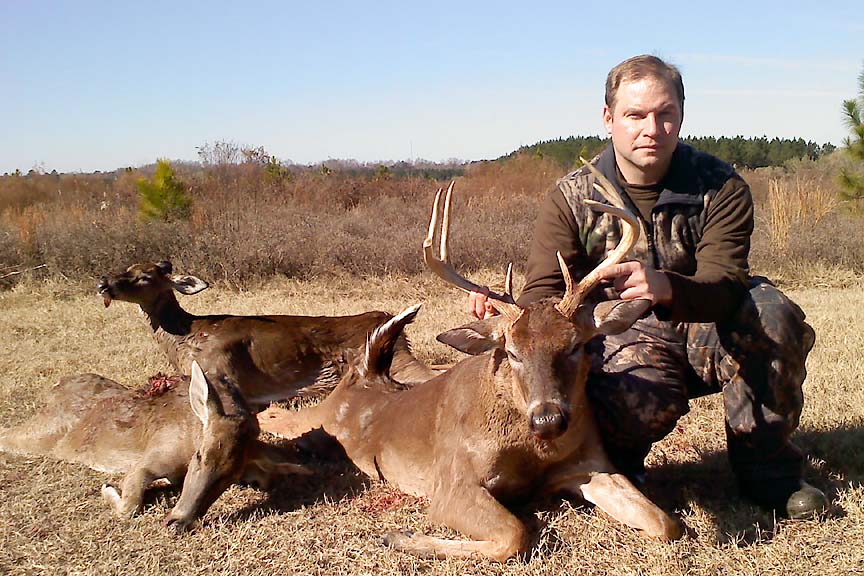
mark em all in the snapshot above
pixel 476 337
pixel 614 316
pixel 607 119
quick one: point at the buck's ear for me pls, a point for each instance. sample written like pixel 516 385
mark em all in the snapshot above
pixel 615 316
pixel 188 284
pixel 476 337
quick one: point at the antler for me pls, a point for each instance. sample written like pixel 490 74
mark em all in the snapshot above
pixel 441 266
pixel 573 296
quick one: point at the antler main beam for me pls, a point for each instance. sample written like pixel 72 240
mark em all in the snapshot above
pixel 441 266
pixel 573 296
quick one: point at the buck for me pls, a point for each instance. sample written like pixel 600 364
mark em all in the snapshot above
pixel 504 425
pixel 270 358
pixel 152 434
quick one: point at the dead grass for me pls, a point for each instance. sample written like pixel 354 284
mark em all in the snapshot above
pixel 52 520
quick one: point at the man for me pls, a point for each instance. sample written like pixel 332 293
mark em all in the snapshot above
pixel 711 327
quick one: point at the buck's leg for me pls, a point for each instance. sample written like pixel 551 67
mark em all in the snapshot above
pixel 469 509
pixel 615 494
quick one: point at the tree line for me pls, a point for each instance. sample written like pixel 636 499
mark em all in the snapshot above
pixel 742 152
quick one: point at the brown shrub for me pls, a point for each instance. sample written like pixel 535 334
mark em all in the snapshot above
pixel 246 225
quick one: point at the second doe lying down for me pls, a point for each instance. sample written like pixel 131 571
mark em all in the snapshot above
pixel 187 431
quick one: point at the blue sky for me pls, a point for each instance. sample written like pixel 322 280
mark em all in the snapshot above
pixel 100 85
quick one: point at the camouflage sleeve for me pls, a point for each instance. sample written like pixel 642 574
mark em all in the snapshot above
pixel 555 229
pixel 717 288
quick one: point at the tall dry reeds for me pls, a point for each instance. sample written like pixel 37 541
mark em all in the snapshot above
pixel 795 204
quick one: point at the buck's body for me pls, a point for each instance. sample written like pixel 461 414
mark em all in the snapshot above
pixel 462 439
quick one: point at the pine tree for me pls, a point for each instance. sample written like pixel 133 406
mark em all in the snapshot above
pixel 853 110
pixel 164 196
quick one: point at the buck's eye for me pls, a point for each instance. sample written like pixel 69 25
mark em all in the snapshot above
pixel 198 456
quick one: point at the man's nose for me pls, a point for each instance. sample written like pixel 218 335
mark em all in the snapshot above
pixel 651 125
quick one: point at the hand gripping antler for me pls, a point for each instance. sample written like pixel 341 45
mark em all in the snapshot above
pixel 441 266
pixel 573 296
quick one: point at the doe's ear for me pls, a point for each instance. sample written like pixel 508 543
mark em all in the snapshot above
pixel 188 284
pixel 203 398
pixel 476 337
pixel 615 316
pixel 199 390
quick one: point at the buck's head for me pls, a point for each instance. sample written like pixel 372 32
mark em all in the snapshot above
pixel 145 284
pixel 546 354
pixel 544 343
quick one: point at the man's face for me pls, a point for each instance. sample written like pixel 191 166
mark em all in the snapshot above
pixel 644 126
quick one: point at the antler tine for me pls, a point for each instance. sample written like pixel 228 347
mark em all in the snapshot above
pixel 445 225
pixel 441 266
pixel 573 296
pixel 604 186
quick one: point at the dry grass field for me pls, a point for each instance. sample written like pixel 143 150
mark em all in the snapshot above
pixel 53 521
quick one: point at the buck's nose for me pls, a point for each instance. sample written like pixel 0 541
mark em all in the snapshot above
pixel 102 286
pixel 548 421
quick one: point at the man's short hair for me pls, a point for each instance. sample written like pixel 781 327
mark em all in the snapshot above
pixel 639 67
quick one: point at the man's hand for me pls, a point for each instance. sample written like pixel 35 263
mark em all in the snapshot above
pixel 479 306
pixel 635 280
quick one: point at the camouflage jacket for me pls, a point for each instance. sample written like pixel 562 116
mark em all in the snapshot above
pixel 699 234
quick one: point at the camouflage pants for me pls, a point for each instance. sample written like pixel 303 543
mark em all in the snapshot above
pixel 642 380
